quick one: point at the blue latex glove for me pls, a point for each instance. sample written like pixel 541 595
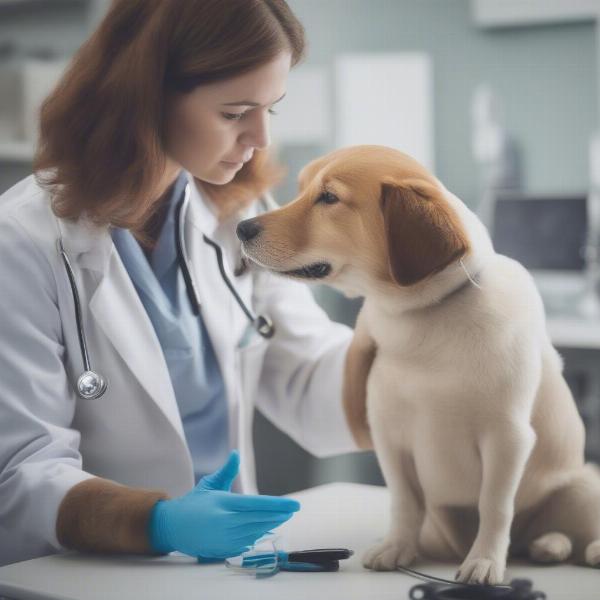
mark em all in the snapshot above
pixel 210 522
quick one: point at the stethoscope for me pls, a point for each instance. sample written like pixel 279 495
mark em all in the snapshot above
pixel 90 384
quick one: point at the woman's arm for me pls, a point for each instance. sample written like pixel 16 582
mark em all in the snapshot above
pixel 98 515
pixel 39 450
pixel 300 387
pixel 208 522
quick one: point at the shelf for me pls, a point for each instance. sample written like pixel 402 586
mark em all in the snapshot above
pixel 515 13
pixel 16 151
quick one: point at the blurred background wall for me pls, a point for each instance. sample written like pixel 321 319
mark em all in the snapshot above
pixel 532 81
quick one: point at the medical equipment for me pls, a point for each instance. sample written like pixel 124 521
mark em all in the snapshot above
pixel 434 579
pixel 264 559
pixel 519 589
pixel 92 385
pixel 438 588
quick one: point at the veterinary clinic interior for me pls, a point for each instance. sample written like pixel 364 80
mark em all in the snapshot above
pixel 498 99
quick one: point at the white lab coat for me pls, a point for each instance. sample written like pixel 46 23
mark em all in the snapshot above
pixel 51 440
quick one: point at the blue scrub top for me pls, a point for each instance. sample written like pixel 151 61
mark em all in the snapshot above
pixel 188 351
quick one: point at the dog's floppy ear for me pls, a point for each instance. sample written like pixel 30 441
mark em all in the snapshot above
pixel 423 232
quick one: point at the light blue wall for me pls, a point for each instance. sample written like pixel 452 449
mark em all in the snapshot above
pixel 545 77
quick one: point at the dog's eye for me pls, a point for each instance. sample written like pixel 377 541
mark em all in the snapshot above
pixel 327 198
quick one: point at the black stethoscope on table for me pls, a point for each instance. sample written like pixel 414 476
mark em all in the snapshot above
pixel 92 385
pixel 437 588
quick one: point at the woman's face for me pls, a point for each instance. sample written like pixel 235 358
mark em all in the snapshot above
pixel 214 129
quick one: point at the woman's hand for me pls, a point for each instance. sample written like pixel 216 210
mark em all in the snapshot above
pixel 213 523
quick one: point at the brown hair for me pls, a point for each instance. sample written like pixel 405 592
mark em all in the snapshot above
pixel 101 146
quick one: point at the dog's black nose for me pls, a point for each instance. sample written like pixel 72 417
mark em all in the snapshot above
pixel 248 229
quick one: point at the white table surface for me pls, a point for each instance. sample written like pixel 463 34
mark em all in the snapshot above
pixel 334 515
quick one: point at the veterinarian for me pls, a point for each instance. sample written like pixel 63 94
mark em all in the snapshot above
pixel 135 340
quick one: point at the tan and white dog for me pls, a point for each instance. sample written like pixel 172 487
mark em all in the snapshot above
pixel 475 429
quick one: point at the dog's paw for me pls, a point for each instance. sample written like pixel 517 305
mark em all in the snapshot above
pixel 551 547
pixel 481 570
pixel 390 554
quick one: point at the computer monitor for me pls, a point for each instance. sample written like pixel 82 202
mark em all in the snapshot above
pixel 542 232
pixel 547 234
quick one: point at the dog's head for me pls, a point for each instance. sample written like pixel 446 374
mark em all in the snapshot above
pixel 364 214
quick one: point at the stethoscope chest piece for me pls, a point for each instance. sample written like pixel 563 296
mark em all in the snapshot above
pixel 91 385
pixel 264 326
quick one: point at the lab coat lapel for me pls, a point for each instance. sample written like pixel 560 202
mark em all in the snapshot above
pixel 216 301
pixel 118 310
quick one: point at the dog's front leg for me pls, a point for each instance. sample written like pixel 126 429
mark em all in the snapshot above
pixel 504 453
pixel 400 546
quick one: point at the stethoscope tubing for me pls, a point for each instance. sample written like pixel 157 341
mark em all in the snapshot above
pixel 90 385
pixel 80 333
pixel 219 253
pixel 261 323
